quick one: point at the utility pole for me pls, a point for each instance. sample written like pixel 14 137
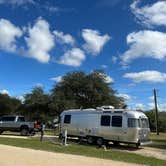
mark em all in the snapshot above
pixel 156 112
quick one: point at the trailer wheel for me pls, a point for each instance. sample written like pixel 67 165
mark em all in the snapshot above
pixel 137 145
pixel 90 140
pixel 99 141
pixel 116 143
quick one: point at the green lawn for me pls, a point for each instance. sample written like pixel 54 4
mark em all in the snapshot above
pixel 158 141
pixel 84 150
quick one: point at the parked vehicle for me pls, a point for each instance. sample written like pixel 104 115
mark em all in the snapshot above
pixel 106 124
pixel 17 124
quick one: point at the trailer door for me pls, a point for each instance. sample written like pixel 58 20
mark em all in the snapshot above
pixel 105 129
pixel 117 128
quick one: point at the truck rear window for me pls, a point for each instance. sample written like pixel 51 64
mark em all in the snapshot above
pixel 8 118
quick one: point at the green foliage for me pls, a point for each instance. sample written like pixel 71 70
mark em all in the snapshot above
pixel 76 90
pixel 8 104
pixel 35 105
pixel 80 90
pixel 158 141
pixel 162 120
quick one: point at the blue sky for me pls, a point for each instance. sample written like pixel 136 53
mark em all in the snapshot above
pixel 42 40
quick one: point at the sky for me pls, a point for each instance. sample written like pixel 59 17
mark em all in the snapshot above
pixel 42 40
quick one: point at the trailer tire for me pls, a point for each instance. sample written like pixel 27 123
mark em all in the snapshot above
pixel 90 140
pixel 116 143
pixel 137 145
pixel 100 141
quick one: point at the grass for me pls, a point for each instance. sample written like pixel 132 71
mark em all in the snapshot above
pixel 158 141
pixel 84 150
pixel 51 132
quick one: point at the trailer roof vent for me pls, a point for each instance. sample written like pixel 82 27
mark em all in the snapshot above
pixel 89 109
pixel 106 107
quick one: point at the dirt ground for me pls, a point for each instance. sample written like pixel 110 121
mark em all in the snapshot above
pixel 152 152
pixel 14 156
pixel 146 151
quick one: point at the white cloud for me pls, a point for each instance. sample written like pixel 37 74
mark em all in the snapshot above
pixel 104 66
pixel 94 41
pixel 73 57
pixel 64 38
pixel 125 96
pixel 8 35
pixel 150 106
pixel 143 44
pixel 4 91
pixel 44 6
pixel 147 76
pixel 40 85
pixel 114 59
pixel 151 98
pixel 109 79
pixel 150 15
pixel 40 41
pixel 21 98
pixel 139 106
pixel 162 107
pixel 56 79
pixel 17 2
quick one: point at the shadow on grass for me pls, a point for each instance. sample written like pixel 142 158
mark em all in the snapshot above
pixel 130 147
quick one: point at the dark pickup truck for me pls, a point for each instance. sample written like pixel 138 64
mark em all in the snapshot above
pixel 16 123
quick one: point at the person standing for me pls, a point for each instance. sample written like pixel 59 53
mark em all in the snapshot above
pixel 42 129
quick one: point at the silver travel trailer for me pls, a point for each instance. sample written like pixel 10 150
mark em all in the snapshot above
pixel 106 124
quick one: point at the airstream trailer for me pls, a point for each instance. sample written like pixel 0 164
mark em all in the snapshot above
pixel 106 124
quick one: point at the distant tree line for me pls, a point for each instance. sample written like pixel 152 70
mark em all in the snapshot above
pixel 162 120
pixel 75 90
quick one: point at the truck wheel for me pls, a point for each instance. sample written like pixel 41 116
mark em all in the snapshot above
pixel 1 132
pixel 100 141
pixel 24 131
pixel 90 140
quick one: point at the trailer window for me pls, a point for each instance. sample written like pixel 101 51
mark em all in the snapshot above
pixel 67 119
pixel 105 120
pixel 116 121
pixel 132 122
pixel 144 123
